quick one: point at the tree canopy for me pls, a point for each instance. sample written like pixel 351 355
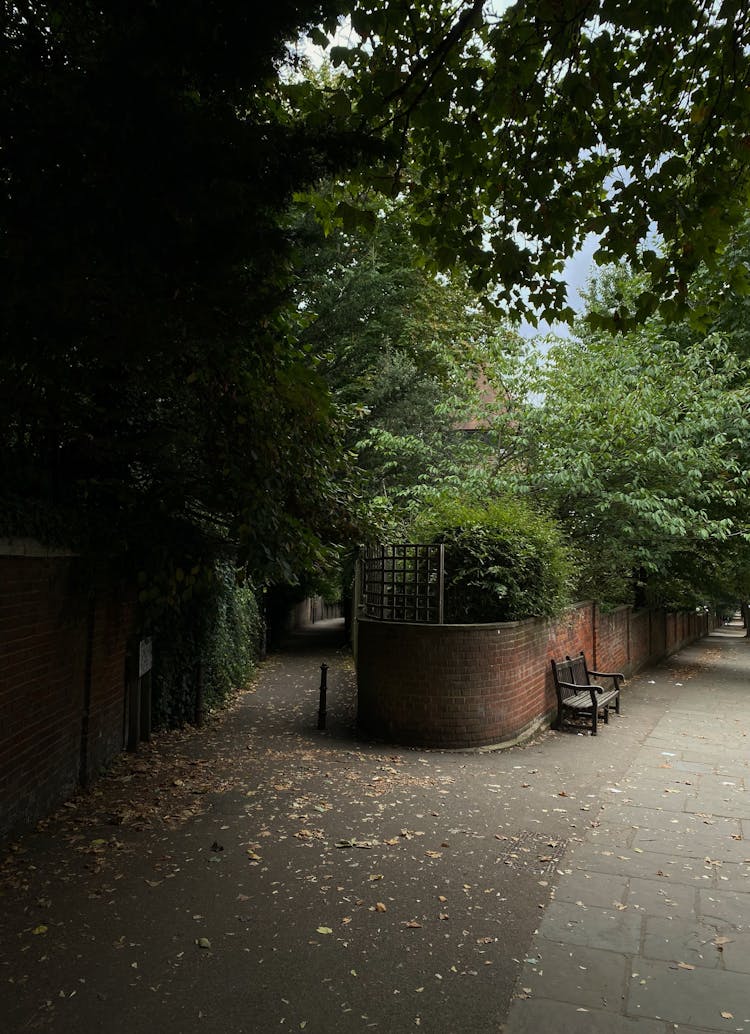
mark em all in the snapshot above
pixel 515 131
pixel 639 444
pixel 153 387
pixel 160 386
pixel 413 361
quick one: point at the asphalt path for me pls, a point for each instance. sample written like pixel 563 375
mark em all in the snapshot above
pixel 260 874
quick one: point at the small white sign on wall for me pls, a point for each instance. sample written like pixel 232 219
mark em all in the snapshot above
pixel 145 656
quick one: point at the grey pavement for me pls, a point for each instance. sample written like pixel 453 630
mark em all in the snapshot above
pixel 648 929
pixel 261 875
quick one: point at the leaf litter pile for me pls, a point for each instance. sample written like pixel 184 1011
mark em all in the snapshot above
pixel 259 869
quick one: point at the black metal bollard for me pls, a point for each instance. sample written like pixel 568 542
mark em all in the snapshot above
pixel 323 690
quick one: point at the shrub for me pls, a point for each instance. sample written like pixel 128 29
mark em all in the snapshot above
pixel 504 561
pixel 219 628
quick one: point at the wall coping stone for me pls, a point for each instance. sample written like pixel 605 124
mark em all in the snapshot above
pixel 32 548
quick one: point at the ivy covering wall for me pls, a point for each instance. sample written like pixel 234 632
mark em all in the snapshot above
pixel 220 632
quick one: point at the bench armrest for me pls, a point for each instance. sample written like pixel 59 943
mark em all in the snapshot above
pixel 616 676
pixel 582 689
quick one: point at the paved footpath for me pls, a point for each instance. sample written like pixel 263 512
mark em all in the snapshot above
pixel 261 875
pixel 649 928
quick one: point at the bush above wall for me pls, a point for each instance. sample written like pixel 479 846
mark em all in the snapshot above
pixel 504 561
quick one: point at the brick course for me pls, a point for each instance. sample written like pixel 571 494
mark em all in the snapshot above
pixel 45 626
pixel 476 685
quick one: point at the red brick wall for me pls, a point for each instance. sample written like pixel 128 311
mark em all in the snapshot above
pixel 640 638
pixel 612 651
pixel 475 685
pixel 44 631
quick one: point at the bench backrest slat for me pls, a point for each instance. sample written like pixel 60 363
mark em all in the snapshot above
pixel 572 669
pixel 578 670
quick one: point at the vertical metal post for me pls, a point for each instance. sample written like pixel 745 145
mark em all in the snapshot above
pixel 323 690
pixel 138 708
pixel 83 762
pixel 199 694
pixel 133 729
pixel 145 664
pixel 357 603
pixel 441 583
pixel 145 722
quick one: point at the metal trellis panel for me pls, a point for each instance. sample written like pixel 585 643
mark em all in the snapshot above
pixel 402 582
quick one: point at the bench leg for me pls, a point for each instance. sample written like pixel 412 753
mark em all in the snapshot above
pixel 606 714
pixel 593 721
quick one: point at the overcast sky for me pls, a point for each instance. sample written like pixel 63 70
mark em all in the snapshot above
pixel 576 274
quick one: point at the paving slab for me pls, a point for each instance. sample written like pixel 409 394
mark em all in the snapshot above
pixel 720 839
pixel 594 889
pixel 658 897
pixel 687 942
pixel 578 975
pixel 568 922
pixel 726 905
pixel 599 857
pixel 547 1016
pixel 735 876
pixel 709 999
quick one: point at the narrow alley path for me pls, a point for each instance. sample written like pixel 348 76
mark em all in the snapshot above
pixel 262 875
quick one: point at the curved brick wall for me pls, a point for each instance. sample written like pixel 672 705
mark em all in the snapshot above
pixel 478 685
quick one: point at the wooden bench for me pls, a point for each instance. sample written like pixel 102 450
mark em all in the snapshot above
pixel 577 694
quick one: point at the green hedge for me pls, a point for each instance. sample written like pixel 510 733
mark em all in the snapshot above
pixel 504 561
pixel 221 629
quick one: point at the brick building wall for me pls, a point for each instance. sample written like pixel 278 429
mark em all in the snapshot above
pixel 476 685
pixel 62 680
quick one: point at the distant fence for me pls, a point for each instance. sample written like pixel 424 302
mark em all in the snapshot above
pixel 402 582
